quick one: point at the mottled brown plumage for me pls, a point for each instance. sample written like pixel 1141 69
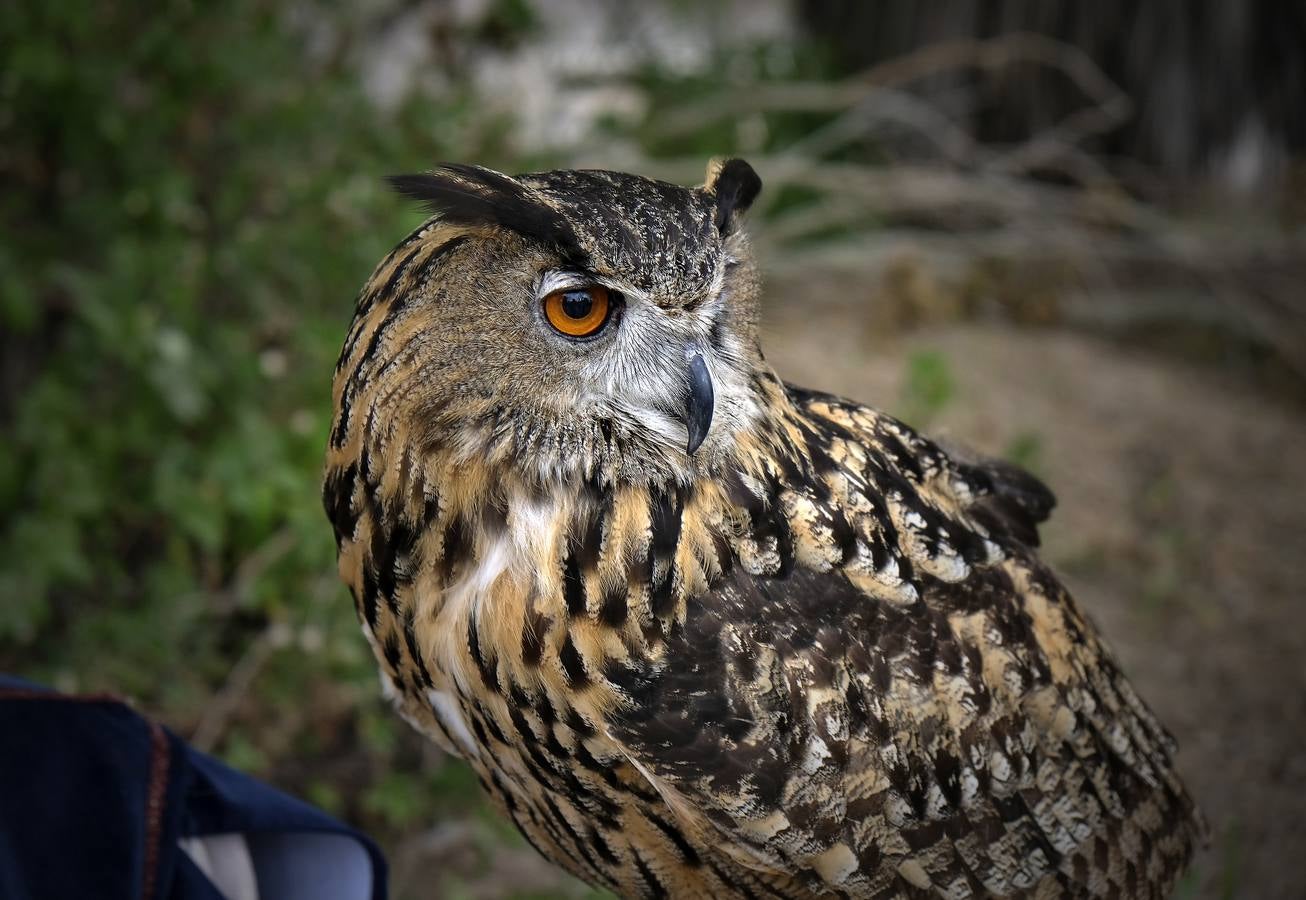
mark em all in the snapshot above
pixel 815 655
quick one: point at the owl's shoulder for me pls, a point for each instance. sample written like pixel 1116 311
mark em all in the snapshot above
pixel 1005 501
pixel 832 485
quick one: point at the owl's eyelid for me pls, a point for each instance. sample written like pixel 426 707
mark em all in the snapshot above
pixel 555 280
pixel 559 280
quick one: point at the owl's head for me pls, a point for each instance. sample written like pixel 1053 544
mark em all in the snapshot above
pixel 581 323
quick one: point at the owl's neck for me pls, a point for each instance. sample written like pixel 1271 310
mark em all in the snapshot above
pixel 442 534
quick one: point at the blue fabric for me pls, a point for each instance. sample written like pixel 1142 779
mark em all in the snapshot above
pixel 93 798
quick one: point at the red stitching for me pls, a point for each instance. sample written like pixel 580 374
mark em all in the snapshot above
pixel 154 799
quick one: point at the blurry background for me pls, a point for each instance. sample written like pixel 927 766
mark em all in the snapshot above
pixel 1071 234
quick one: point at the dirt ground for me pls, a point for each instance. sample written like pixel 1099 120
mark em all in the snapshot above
pixel 1181 528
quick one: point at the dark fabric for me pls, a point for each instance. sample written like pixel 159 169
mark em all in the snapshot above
pixel 93 798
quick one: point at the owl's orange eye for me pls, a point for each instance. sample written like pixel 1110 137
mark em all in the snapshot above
pixel 578 312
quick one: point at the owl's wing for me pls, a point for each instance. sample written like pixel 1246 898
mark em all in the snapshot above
pixel 961 731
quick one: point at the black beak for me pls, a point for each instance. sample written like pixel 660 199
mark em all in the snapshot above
pixel 698 405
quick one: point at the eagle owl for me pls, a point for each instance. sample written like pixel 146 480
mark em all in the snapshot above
pixel 700 632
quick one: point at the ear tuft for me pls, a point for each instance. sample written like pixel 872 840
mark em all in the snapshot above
pixel 474 195
pixel 736 186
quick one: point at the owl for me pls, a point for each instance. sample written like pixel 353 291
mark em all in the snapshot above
pixel 700 632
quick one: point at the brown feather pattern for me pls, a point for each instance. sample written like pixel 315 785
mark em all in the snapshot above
pixel 829 663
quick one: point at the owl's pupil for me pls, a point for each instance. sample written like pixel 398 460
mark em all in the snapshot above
pixel 577 304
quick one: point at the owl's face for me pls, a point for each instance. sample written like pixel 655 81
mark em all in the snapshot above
pixel 583 323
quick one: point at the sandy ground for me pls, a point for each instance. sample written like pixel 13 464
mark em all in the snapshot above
pixel 1181 529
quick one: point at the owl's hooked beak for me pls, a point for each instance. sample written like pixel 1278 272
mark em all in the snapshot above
pixel 698 405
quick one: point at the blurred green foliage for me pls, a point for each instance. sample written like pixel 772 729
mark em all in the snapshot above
pixel 1026 450
pixel 928 387
pixel 189 197
pixel 717 126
